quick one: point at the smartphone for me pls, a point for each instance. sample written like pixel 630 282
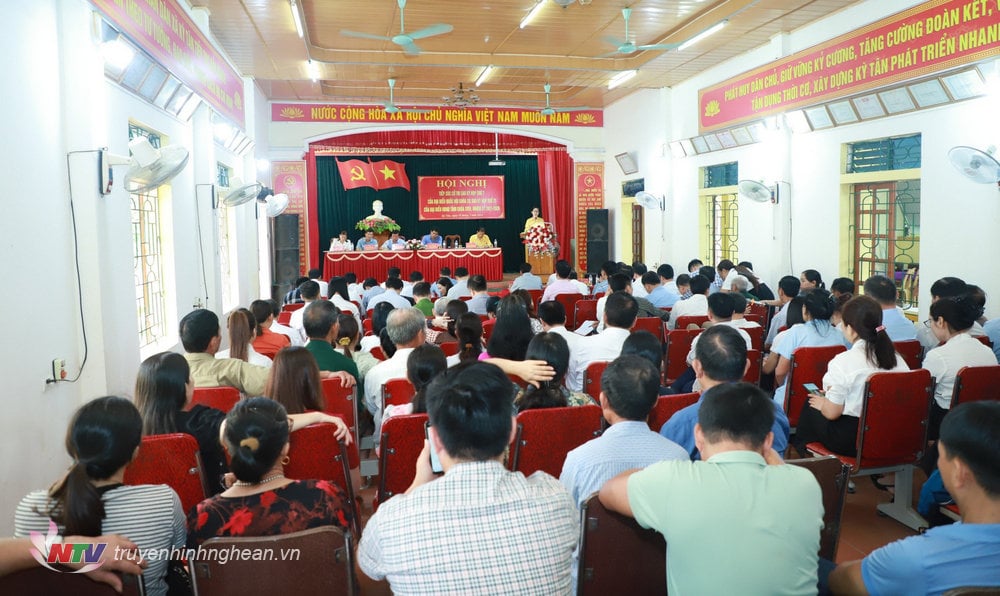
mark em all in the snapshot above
pixel 812 388
pixel 435 460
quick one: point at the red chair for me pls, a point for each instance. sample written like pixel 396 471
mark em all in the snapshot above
pixel 756 336
pixel 366 326
pixel 668 405
pixel 976 383
pixel 592 379
pixel 342 402
pixel 397 392
pixel 569 302
pixel 808 365
pixel 678 346
pixel 172 460
pixel 611 543
pixel 598 295
pixel 683 322
pixel 536 296
pixel 985 341
pixel 450 348
pixel 39 580
pixel 220 398
pixel 401 442
pixel 752 374
pixel 832 476
pixel 315 454
pixel 911 351
pixel 488 329
pixel 763 311
pixel 892 436
pixel 518 381
pixel 377 352
pixel 284 317
pixel 293 307
pixel 361 311
pixel 544 436
pixel 585 310
pixel 652 324
pixel 755 318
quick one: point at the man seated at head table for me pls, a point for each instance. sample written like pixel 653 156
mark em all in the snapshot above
pixel 480 239
pixel 394 242
pixel 433 238
pixel 367 242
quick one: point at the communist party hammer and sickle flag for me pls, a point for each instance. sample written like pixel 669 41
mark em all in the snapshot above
pixel 355 173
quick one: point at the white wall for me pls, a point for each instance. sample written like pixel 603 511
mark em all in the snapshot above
pixel 63 103
pixel 958 218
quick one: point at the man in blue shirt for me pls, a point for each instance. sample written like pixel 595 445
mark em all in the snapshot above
pixel 945 557
pixel 394 242
pixel 720 357
pixel 608 268
pixel 367 242
pixel 527 280
pixel 433 238
pixel 992 329
pixel 659 295
pixel 883 290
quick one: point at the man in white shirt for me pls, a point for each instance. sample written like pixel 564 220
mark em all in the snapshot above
pixel 324 289
pixel 393 287
pixel 620 312
pixel 666 273
pixel 696 305
pixel 415 278
pixel 788 288
pixel 580 285
pixel 461 286
pixel 293 335
pixel 405 327
pixel 354 289
pixel 638 270
pixel 562 285
pixel 552 314
pixel 309 291
pixel 946 287
pixel 527 280
pixel 720 312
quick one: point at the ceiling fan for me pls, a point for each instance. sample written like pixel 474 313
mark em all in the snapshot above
pixel 404 40
pixel 548 110
pixel 624 46
pixel 392 108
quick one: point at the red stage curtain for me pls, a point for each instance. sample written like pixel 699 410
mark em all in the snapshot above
pixel 555 177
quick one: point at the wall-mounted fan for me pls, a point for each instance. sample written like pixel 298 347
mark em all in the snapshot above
pixel 976 165
pixel 240 193
pixel 148 167
pixel 650 201
pixel 392 108
pixel 625 46
pixel 548 110
pixel 757 191
pixel 274 204
pixel 404 40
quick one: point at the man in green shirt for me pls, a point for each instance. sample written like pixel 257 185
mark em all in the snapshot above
pixel 738 522
pixel 422 298
pixel 320 323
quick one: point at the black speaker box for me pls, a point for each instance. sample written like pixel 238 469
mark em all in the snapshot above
pixel 598 239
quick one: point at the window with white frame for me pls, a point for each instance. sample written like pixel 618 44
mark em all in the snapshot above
pixel 227 237
pixel 147 255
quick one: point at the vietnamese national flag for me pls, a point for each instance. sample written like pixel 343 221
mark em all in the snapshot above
pixel 356 174
pixel 390 174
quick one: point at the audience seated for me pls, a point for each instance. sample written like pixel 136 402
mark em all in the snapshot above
pixel 635 272
pixel 619 317
pixel 370 288
pixel 883 290
pixel 696 305
pixel 294 295
pixel 261 501
pixel 201 336
pixel 946 287
pixel 527 280
pixel 453 309
pixel 492 531
pixel 266 342
pixel 293 336
pixel 511 332
pixel 720 313
pixel 845 285
pixel 477 288
pixel 405 327
pixel 294 381
pixel 832 417
pixel 793 317
pixel 552 348
pixel 393 287
pixel 422 298
pixel 242 328
pixel 460 287
pixel 953 556
pixel 608 268
pixel 310 293
pixel 524 297
pixel 346 342
pixel 562 284
pixel 91 500
pixel 646 345
pixel 552 314
pixel 629 389
pixel 422 365
pixel 340 296
pixel 469 329
pixel 720 358
pixel 810 279
pixel 738 522
pixel 788 288
pixel 619 283
pixel 379 316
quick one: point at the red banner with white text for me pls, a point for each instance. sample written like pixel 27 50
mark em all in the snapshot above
pixel 322 112
pixel 460 197
pixel 589 195
pixel 289 177
pixel 931 37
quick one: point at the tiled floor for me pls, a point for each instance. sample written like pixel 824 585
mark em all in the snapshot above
pixel 862 529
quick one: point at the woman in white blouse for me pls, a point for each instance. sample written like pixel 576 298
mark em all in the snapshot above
pixel 340 297
pixel 832 416
pixel 951 320
pixel 243 328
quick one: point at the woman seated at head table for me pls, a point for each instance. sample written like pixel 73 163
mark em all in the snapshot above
pixel 341 243
pixel 261 501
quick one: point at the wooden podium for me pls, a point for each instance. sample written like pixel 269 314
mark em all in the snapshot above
pixel 541 265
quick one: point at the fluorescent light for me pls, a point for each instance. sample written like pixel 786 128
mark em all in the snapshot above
pixel 713 29
pixel 313 70
pixel 531 15
pixel 297 17
pixel 484 75
pixel 117 53
pixel 621 77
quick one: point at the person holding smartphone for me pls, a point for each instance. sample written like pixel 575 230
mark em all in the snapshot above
pixel 461 546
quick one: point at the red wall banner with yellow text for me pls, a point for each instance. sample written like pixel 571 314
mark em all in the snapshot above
pixel 589 195
pixel 289 177
pixel 460 197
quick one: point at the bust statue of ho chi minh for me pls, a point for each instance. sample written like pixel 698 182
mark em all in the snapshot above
pixel 377 208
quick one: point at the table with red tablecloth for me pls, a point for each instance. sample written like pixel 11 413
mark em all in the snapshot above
pixel 484 261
